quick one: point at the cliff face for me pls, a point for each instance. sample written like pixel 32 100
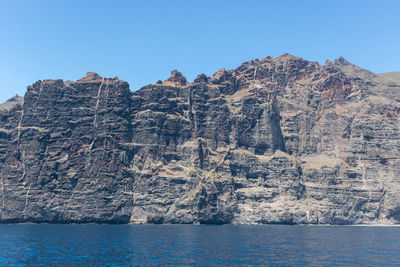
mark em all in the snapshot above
pixel 277 140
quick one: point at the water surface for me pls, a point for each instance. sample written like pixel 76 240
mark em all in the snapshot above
pixel 124 245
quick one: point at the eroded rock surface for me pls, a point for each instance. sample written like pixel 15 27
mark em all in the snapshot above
pixel 277 140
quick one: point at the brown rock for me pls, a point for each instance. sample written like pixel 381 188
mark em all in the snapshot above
pixel 277 140
pixel 176 78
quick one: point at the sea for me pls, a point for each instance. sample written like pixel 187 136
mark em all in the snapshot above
pixel 197 245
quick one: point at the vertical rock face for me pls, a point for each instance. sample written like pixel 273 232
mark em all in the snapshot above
pixel 277 140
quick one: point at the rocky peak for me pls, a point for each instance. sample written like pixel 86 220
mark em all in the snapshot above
pixel 290 62
pixel 350 70
pixel 341 61
pixel 176 78
pixel 221 76
pixel 202 78
pixel 267 59
pixel 338 64
pixel 16 98
pixel 287 57
pixel 90 77
pixel 12 102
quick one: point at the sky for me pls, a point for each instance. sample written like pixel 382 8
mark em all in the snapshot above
pixel 141 42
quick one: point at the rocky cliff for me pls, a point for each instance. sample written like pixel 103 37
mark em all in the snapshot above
pixel 277 140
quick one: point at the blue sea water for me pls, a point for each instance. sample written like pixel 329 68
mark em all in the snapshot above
pixel 204 245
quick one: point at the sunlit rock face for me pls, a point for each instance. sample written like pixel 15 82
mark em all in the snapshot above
pixel 277 140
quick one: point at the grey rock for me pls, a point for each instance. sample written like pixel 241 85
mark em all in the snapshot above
pixel 276 140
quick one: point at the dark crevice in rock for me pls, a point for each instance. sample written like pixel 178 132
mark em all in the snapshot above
pixel 201 154
pixel 278 142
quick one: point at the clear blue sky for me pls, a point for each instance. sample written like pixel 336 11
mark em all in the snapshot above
pixel 142 41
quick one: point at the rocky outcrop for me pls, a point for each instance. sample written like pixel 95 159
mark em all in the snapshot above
pixel 277 140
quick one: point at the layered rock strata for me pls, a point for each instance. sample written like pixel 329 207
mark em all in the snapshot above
pixel 277 140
